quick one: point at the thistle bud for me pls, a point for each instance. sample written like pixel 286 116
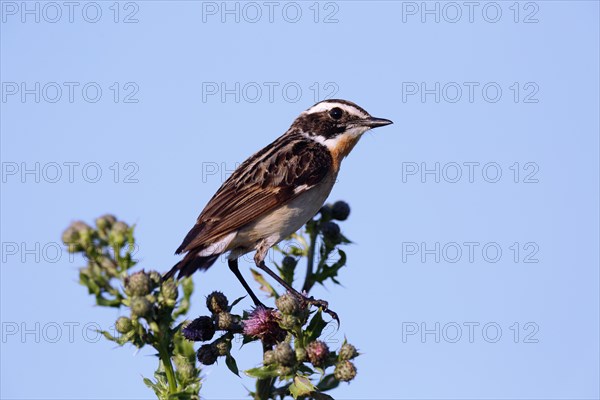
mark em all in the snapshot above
pixel 222 346
pixel 186 370
pixel 199 330
pixel 325 212
pixel 81 234
pixel 117 234
pixel 284 354
pixel 169 290
pixel 123 325
pixel 140 307
pixel 289 322
pixel 105 222
pixel 70 236
pixel 288 304
pixel 217 303
pixel 301 354
pixel 345 371
pixel 347 352
pixel 269 357
pixel 331 231
pixel 155 277
pixel 138 284
pixel 225 321
pixel 207 354
pixel 317 353
pixel 340 210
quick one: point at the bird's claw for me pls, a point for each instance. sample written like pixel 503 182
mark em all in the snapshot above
pixel 324 306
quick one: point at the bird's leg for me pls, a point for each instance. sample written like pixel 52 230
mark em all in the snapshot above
pixel 233 266
pixel 310 300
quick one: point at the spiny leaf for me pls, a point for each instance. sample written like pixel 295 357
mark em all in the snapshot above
pixel 231 364
pixel 236 301
pixel 327 383
pixel 315 327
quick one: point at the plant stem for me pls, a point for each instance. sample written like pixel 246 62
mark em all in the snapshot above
pixel 166 360
pixel 264 387
pixel 308 283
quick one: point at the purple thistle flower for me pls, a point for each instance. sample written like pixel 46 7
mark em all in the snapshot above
pixel 263 324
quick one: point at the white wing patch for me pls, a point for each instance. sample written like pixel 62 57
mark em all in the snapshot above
pixel 300 188
pixel 218 247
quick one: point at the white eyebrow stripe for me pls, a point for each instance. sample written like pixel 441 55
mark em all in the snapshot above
pixel 326 106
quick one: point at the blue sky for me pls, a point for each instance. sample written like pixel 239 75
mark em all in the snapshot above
pixel 474 269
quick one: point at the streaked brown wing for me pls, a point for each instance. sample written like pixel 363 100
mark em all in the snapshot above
pixel 287 168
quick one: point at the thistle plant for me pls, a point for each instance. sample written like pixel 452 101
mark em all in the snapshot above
pixel 295 360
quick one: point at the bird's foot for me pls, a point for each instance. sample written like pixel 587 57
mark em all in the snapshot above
pixel 323 305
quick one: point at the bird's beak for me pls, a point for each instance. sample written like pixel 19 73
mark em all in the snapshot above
pixel 373 122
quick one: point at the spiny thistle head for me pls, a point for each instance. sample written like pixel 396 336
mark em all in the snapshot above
pixel 140 307
pixel 217 302
pixel 207 354
pixel 317 353
pixel 186 370
pixel 347 352
pixel 199 330
pixel 155 277
pixel 138 284
pixel 301 354
pixel 78 236
pixel 289 322
pixel 269 357
pixel 169 290
pixel 340 210
pixel 331 231
pixel 105 222
pixel 284 354
pixel 222 346
pixel 288 304
pixel 116 236
pixel 225 321
pixel 123 325
pixel 345 371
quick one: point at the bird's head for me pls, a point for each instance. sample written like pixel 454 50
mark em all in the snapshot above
pixel 333 122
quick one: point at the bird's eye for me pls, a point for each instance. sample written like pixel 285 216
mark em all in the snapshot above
pixel 336 113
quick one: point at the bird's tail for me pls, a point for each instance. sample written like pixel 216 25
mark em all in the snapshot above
pixel 190 264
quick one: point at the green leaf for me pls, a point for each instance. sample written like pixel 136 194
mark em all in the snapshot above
pixel 184 305
pixel 327 383
pixel 149 383
pixel 248 339
pixel 236 301
pixel 264 285
pixel 301 386
pixel 315 327
pixel 304 368
pixel 231 364
pixel 268 371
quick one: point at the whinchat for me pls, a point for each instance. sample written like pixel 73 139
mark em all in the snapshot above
pixel 275 192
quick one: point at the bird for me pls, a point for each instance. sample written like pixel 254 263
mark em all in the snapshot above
pixel 275 192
